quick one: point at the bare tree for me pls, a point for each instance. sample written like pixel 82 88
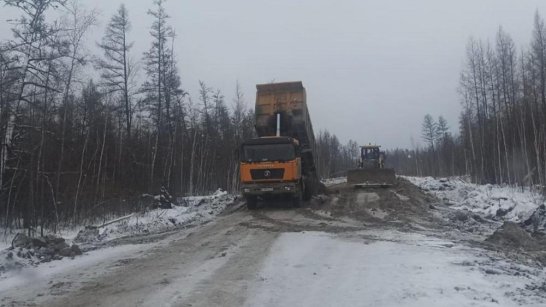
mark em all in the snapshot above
pixel 79 23
pixel 156 65
pixel 429 130
pixel 116 68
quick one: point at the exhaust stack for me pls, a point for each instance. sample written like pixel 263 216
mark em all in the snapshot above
pixel 278 124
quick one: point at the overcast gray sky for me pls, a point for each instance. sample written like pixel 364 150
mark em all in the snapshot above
pixel 372 69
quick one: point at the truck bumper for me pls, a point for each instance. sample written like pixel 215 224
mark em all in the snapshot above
pixel 269 188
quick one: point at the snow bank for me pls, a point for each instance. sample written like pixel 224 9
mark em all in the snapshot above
pixel 491 201
pixel 45 274
pixel 188 210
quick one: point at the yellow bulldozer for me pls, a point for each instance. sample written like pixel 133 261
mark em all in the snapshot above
pixel 371 171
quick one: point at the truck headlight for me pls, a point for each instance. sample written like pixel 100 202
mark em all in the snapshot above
pixel 288 188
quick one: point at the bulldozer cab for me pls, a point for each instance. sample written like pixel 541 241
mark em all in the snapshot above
pixel 371 157
pixel 370 152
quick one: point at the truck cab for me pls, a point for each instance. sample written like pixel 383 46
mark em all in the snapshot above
pixel 271 168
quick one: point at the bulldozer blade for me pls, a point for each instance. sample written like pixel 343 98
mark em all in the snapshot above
pixel 374 177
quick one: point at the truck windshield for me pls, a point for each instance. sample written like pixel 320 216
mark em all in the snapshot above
pixel 271 152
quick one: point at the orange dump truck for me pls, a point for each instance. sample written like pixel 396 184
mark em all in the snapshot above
pixel 280 163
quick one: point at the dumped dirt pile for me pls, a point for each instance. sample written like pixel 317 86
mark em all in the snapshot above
pixel 402 205
pixel 512 236
pixel 514 240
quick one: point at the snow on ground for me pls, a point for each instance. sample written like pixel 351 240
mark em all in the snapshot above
pixel 5 239
pixel 188 210
pixel 319 269
pixel 333 181
pixel 193 209
pixel 491 201
pixel 29 277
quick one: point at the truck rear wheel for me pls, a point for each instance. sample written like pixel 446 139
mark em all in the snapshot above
pixel 251 202
pixel 306 190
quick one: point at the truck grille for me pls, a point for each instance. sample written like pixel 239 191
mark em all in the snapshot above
pixel 267 174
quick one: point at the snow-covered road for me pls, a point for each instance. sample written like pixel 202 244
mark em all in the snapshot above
pixel 318 269
pixel 393 249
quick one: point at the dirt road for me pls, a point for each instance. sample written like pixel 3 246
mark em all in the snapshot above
pixel 379 247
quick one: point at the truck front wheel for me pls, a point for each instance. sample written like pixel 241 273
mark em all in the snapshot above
pixel 251 202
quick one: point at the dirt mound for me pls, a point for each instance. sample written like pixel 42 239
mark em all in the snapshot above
pixel 512 236
pixel 402 205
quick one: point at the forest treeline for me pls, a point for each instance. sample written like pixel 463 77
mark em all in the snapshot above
pixel 76 148
pixel 86 127
pixel 502 136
